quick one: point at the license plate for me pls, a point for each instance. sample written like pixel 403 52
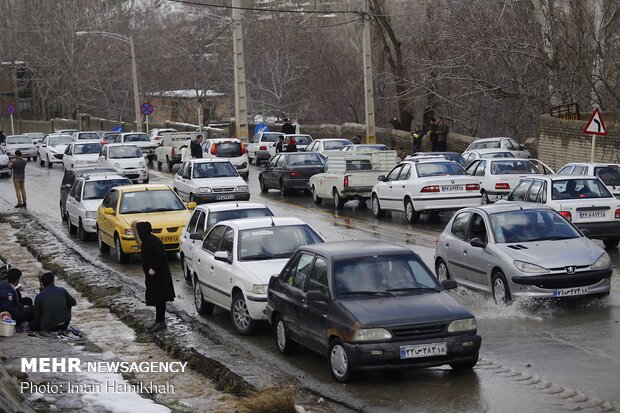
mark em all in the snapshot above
pixel 170 240
pixel 449 188
pixel 423 350
pixel 223 197
pixel 567 292
pixel 592 214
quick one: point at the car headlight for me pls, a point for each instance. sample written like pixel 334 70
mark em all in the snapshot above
pixel 603 262
pixel 260 288
pixel 528 267
pixel 241 188
pixel 116 165
pixel 142 165
pixel 458 326
pixel 206 189
pixel 91 214
pixel 129 232
pixel 371 334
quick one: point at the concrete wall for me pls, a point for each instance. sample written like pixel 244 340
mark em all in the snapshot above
pixel 562 141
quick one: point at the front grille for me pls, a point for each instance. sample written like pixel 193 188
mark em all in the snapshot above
pixel 563 269
pixel 132 176
pixel 171 247
pixel 156 230
pixel 224 189
pixel 552 285
pixel 418 330
pixel 172 229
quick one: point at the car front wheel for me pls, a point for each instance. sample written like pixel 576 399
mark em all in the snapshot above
pixel 286 346
pixel 103 247
pixel 339 362
pixel 121 257
pixel 240 315
pixel 263 187
pixel 441 269
pixel 501 291
pixel 376 207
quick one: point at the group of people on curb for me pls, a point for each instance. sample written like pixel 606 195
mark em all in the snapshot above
pixel 50 311
pixel 436 131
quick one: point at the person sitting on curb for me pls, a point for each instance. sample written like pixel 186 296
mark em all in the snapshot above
pixel 52 306
pixel 11 299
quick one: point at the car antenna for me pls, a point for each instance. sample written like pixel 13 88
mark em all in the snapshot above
pixel 273 224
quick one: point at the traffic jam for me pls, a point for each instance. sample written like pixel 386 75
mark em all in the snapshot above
pixel 506 228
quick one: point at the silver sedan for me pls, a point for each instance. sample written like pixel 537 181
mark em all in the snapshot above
pixel 516 249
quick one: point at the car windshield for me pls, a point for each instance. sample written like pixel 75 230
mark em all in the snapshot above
pixel 513 168
pixel 214 170
pixel 99 189
pixel 215 217
pixel 136 137
pixel 229 149
pixel 579 188
pixel 270 137
pixel 358 165
pixel 302 140
pixel 485 145
pixel 439 169
pixel 373 147
pixel 331 145
pixel 530 225
pixel 497 155
pixel 150 201
pixel 274 242
pixel 12 140
pixel 87 148
pixel 2 151
pixel 297 159
pixel 88 135
pixel 60 140
pixel 610 174
pixel 121 152
pixel 382 275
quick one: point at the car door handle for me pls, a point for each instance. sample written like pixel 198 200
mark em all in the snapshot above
pixel 199 260
pixel 447 244
pixel 212 268
pixel 465 252
pixel 403 186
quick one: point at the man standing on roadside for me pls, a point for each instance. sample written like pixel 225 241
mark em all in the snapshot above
pixel 196 147
pixel 287 127
pixel 442 134
pixel 18 165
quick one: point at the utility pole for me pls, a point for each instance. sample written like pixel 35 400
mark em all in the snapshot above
pixel 241 111
pixel 136 94
pixel 368 83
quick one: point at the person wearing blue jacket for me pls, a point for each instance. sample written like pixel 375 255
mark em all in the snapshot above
pixel 11 300
pixel 52 306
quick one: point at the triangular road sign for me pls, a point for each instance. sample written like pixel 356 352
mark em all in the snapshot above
pixel 595 126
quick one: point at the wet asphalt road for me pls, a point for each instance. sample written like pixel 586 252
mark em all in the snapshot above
pixel 535 357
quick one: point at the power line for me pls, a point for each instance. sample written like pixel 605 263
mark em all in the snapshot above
pixel 262 9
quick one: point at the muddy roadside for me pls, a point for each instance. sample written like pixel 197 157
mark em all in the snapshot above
pixel 233 366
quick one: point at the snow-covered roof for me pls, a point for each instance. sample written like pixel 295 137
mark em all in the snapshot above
pixel 188 93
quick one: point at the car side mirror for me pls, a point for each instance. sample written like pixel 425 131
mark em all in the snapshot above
pixel 197 236
pixel 478 243
pixel 381 178
pixel 68 186
pixel 510 197
pixel 43 145
pixel 223 256
pixel 191 205
pixel 586 233
pixel 316 295
pixel 108 211
pixel 449 284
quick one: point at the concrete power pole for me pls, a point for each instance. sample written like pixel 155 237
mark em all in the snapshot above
pixel 241 111
pixel 368 78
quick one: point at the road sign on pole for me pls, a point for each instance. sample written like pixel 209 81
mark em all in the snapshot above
pixel 11 109
pixel 146 108
pixel 595 127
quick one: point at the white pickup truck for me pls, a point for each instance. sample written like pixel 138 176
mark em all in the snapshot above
pixel 350 176
pixel 169 150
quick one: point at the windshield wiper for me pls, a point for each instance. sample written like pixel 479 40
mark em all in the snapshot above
pixel 283 255
pixel 257 257
pixel 406 289
pixel 552 238
pixel 382 293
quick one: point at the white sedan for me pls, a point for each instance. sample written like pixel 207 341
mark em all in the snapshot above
pixel 423 186
pixel 583 200
pixel 471 156
pixel 52 147
pixel 609 173
pixel 505 143
pixel 497 177
pixel 81 153
pixel 236 260
pixel 127 159
pixel 322 145
pixel 210 180
pixel 204 217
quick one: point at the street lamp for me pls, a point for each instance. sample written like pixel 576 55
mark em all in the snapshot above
pixel 134 70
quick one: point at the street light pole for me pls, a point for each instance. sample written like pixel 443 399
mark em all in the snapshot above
pixel 134 70
pixel 241 111
pixel 368 84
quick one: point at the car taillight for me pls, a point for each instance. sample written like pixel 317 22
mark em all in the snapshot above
pixel 213 150
pixel 262 148
pixel 569 217
pixel 617 213
pixel 293 173
pixel 242 149
pixel 472 187
pixel 502 186
pixel 104 142
pixel 432 188
pixel 346 181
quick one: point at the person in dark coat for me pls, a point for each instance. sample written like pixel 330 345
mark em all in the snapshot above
pixel 442 134
pixel 196 147
pixel 158 280
pixel 279 144
pixel 291 146
pixel 52 306
pixel 433 132
pixel 287 127
pixel 11 299
pixel 2 137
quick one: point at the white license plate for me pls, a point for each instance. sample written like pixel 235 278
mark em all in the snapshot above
pixel 222 197
pixel 592 214
pixel 567 292
pixel 423 350
pixel 449 188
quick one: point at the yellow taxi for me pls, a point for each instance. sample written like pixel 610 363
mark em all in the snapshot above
pixel 155 203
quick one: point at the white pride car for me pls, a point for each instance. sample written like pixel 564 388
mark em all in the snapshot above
pixel 609 173
pixel 497 177
pixel 210 180
pixel 236 260
pixel 423 186
pixel 127 159
pixel 52 147
pixel 81 153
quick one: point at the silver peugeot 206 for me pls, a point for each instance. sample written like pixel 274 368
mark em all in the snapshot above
pixel 516 249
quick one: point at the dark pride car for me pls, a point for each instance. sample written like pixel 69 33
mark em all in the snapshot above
pixel 290 170
pixel 369 304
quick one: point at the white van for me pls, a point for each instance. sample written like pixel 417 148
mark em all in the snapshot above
pixel 233 150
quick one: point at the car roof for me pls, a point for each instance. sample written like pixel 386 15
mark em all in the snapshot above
pixel 298 134
pixel 145 187
pixel 334 139
pixel 217 140
pixel 110 145
pixel 207 160
pixel 356 248
pixel 80 170
pixel 591 164
pixel 504 159
pixel 132 133
pixel 489 150
pixel 85 141
pixel 508 207
pixel 101 177
pixel 226 206
pixel 423 159
pixel 261 222
pixel 496 138
pixel 17 136
pixel 563 177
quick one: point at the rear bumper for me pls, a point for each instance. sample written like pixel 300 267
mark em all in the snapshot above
pixel 387 355
pixel 447 203
pixel 302 183
pixel 263 155
pixel 356 192
pixel 224 196
pixel 601 230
